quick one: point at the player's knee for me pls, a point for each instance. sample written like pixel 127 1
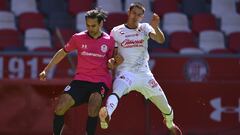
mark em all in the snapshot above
pixel 60 110
pixel 63 105
pixel 120 87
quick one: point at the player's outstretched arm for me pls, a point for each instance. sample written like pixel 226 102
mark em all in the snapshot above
pixel 157 35
pixel 55 60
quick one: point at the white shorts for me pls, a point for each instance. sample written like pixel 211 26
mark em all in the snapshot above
pixel 143 83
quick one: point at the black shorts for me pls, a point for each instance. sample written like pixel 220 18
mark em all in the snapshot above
pixel 81 90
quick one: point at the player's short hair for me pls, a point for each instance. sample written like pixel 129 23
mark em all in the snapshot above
pixel 138 5
pixel 98 13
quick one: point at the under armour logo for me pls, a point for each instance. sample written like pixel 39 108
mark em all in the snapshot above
pixel 217 114
pixel 84 46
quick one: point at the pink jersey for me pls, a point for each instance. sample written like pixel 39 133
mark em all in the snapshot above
pixel 93 55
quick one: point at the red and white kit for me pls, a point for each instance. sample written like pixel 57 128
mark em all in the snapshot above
pixel 134 73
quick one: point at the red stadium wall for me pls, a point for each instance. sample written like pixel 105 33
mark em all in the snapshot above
pixel 204 92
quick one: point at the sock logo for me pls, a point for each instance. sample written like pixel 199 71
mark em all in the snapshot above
pixel 219 109
pixel 112 105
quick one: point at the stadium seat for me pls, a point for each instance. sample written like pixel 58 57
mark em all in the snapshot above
pixel 163 51
pixel 230 23
pixel 21 6
pixel 192 7
pixel 80 21
pixel 110 5
pixel 147 16
pixel 191 51
pixel 66 34
pixel 115 19
pixel 223 7
pixel 10 39
pixel 220 51
pixel 175 22
pixel 48 6
pixel 211 40
pixel 60 20
pixel 76 6
pixel 7 20
pixel 34 20
pixel 180 40
pixel 238 7
pixel 4 5
pixel 37 38
pixel 203 21
pixel 165 6
pixel 234 42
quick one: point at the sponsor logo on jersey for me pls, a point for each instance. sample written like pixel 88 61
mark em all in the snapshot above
pixel 84 53
pixel 132 35
pixel 127 43
pixel 104 48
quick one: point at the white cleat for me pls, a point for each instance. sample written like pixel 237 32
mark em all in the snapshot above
pixel 104 118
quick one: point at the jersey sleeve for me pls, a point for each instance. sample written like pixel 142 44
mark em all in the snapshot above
pixel 113 35
pixel 111 48
pixel 71 45
pixel 147 28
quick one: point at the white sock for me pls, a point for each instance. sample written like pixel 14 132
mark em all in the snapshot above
pixel 112 103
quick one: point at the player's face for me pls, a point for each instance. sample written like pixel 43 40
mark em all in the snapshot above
pixel 93 27
pixel 135 15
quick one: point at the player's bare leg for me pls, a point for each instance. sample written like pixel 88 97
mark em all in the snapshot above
pixel 162 104
pixel 94 104
pixel 64 103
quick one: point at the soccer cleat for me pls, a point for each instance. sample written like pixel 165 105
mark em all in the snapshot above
pixel 104 118
pixel 174 130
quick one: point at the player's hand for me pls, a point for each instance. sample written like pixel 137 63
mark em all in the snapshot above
pixel 111 63
pixel 118 59
pixel 155 20
pixel 43 75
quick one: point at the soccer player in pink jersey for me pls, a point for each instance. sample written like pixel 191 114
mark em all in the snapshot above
pixel 134 73
pixel 92 78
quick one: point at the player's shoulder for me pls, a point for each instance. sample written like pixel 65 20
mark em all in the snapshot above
pixel 144 24
pixel 106 36
pixel 80 34
pixel 119 27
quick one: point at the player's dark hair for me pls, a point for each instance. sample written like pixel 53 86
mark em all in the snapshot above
pixel 98 13
pixel 138 5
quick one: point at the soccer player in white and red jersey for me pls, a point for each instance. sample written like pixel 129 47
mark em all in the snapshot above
pixel 134 73
pixel 92 78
